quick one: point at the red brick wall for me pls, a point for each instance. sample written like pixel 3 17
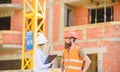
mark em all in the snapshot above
pixel 59 47
pixel 94 33
pixel 46 22
pixel 57 0
pixel 111 61
pixel 112 31
pixel 46 19
pixel 17 18
pixel 112 57
pixel 12 38
pixel 41 1
pixel 56 20
pixel 17 2
pixel 117 12
pixel 80 15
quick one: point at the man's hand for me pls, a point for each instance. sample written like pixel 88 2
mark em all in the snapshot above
pixel 87 63
pixel 83 71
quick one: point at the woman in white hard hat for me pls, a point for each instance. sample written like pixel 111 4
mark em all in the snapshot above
pixel 40 55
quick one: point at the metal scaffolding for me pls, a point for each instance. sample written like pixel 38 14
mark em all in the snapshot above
pixel 33 21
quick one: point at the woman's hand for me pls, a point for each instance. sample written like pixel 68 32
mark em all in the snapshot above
pixel 53 61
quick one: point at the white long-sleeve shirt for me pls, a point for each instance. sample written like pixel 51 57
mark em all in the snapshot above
pixel 39 59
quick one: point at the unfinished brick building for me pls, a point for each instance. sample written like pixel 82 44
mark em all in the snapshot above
pixel 97 22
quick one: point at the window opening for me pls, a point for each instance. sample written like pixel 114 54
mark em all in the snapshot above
pixel 98 15
pixel 68 16
pixel 94 64
pixel 5 23
pixel 6 64
pixel 5 1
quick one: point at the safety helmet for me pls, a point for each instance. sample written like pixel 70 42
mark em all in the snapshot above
pixel 41 39
pixel 70 34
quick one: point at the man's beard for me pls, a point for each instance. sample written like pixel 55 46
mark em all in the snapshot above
pixel 68 45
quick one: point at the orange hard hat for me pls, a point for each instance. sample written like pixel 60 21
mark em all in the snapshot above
pixel 70 34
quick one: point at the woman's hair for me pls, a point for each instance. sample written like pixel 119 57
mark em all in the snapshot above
pixel 40 44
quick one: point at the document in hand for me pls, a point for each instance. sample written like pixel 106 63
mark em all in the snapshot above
pixel 50 58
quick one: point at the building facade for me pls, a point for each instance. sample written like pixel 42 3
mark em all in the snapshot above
pixel 97 23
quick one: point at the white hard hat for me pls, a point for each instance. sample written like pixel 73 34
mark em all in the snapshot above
pixel 41 39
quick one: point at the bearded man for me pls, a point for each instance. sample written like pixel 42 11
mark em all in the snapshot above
pixel 74 58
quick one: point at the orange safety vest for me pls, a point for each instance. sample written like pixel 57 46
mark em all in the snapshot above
pixel 72 61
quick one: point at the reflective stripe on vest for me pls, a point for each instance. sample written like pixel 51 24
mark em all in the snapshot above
pixel 73 60
pixel 73 67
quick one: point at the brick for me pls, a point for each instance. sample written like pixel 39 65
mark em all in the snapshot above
pixel 80 15
pixel 117 12
pixel 57 0
pixel 112 31
pixel 94 33
pixel 80 34
pixel 1 39
pixel 46 22
pixel 17 2
pixel 17 18
pixel 46 0
pixel 105 43
pixel 114 47
pixel 91 44
pixel 12 39
pixel 59 47
pixel 56 22
pixel 111 62
pixel 41 1
pixel 107 33
pixel 82 44
pixel 17 21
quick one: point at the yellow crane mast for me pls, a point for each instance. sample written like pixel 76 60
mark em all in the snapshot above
pixel 33 22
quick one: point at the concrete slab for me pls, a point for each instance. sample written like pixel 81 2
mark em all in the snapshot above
pixel 8 9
